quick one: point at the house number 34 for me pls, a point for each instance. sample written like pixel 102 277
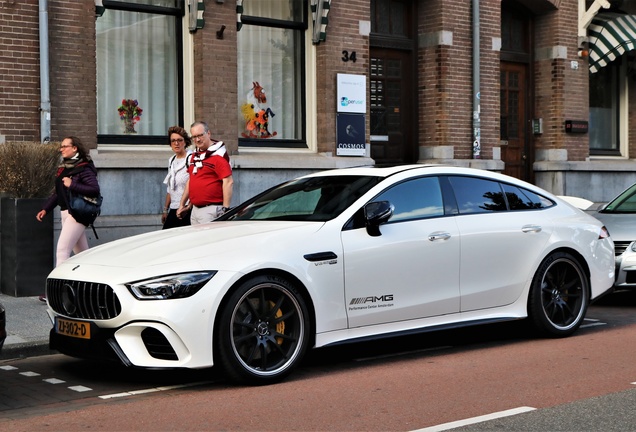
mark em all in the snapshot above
pixel 348 56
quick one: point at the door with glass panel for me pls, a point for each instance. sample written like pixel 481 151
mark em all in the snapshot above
pixel 513 119
pixel 391 107
pixel 392 81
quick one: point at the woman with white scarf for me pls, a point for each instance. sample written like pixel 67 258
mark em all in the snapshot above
pixel 176 179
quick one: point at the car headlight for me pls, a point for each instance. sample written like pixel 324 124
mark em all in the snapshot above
pixel 170 286
pixel 632 246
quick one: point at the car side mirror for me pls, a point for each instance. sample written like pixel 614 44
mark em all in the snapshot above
pixel 375 214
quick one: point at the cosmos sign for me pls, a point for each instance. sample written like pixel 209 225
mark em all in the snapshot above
pixel 351 115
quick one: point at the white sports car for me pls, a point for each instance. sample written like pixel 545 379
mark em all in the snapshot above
pixel 333 257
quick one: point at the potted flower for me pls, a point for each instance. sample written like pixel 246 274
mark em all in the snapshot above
pixel 130 113
pixel 26 245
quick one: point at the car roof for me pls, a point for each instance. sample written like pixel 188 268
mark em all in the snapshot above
pixel 387 171
pixel 368 170
pixel 440 169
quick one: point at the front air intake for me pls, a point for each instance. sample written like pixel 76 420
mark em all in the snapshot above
pixel 157 344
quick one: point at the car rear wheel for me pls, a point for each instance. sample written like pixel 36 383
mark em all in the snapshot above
pixel 559 295
pixel 262 331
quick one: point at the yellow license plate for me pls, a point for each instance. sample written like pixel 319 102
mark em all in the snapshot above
pixel 72 328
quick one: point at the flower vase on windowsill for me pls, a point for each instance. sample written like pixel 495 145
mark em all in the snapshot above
pixel 130 113
pixel 129 126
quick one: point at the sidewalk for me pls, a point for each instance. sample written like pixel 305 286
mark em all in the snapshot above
pixel 28 327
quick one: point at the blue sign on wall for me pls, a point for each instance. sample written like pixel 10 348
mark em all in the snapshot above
pixel 350 134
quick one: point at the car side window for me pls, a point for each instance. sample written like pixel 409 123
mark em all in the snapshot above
pixel 414 199
pixel 523 199
pixel 476 195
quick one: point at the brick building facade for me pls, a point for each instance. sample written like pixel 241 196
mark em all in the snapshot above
pixel 418 58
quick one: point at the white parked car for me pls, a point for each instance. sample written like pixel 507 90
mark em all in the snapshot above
pixel 333 257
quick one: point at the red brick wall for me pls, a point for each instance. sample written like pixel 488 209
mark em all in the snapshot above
pixel 445 90
pixel 73 74
pixel 561 92
pixel 490 27
pixel 71 70
pixel 342 34
pixel 19 71
pixel 215 80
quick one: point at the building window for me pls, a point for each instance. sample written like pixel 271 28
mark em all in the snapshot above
pixel 605 118
pixel 271 74
pixel 139 66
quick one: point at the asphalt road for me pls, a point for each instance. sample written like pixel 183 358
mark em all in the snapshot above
pixel 435 381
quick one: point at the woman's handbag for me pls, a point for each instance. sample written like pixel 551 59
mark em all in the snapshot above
pixel 84 209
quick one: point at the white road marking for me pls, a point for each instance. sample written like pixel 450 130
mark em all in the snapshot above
pixel 30 374
pixel 594 323
pixel 152 390
pixel 53 381
pixel 80 388
pixel 8 367
pixel 474 420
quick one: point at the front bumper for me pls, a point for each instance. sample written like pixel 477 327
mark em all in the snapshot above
pixel 101 346
pixel 626 269
pixel 174 333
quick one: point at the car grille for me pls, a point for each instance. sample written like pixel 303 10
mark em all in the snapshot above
pixel 84 300
pixel 620 247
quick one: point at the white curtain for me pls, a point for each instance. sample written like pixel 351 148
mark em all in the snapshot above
pixel 136 59
pixel 272 57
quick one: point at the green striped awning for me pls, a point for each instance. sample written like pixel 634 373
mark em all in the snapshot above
pixel 610 35
pixel 319 12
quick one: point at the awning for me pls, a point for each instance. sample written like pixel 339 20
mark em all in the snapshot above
pixel 319 12
pixel 610 35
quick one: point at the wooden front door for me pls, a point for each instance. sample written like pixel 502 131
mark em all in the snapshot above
pixel 391 90
pixel 513 120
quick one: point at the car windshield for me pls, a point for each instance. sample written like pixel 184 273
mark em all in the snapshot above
pixel 624 203
pixel 306 199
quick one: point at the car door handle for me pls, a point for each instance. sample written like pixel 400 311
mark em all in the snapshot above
pixel 439 235
pixel 530 228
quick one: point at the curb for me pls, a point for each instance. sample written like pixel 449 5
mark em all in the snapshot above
pixel 24 350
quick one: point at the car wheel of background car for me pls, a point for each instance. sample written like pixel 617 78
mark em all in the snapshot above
pixel 559 295
pixel 263 331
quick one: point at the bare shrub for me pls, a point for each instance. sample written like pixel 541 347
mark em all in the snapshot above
pixel 27 169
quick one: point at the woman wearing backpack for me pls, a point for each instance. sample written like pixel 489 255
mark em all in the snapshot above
pixel 77 173
pixel 176 179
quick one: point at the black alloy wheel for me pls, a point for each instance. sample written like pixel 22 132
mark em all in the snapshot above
pixel 262 331
pixel 559 295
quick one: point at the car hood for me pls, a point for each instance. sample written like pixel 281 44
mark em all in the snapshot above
pixel 194 243
pixel 622 227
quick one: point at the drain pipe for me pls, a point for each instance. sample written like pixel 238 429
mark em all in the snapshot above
pixel 45 99
pixel 476 84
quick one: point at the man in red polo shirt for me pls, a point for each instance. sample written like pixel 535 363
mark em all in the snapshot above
pixel 209 188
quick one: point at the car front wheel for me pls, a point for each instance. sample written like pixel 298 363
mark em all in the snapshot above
pixel 559 295
pixel 262 331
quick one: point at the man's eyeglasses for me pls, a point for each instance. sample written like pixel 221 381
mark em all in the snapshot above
pixel 66 146
pixel 196 137
pixel 176 140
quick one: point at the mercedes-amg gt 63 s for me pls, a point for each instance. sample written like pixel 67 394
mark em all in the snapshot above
pixel 332 257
